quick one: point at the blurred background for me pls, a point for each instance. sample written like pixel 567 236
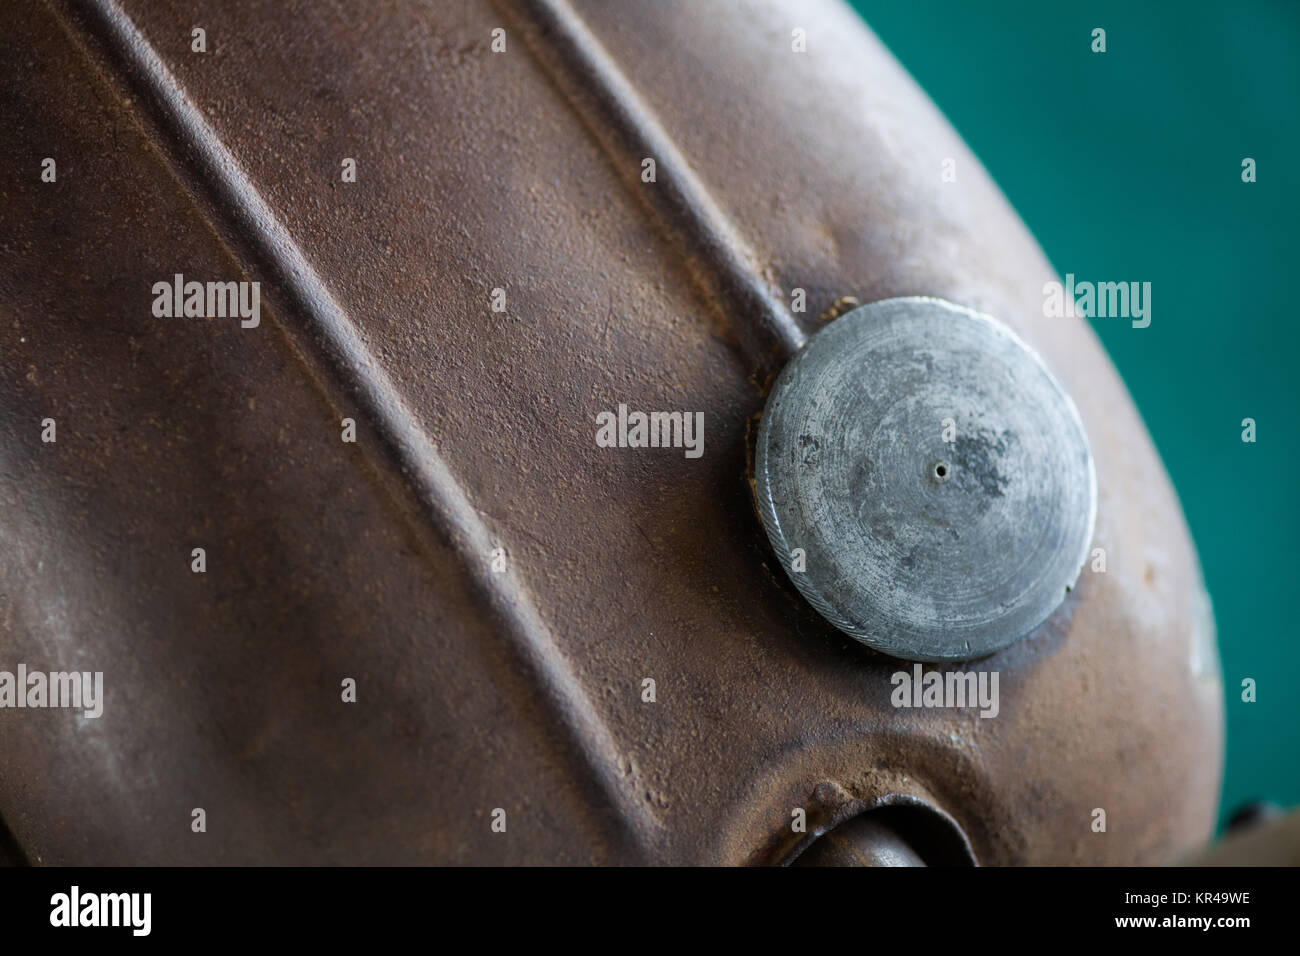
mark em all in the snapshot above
pixel 1127 166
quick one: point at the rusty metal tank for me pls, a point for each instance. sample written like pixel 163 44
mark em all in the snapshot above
pixel 433 643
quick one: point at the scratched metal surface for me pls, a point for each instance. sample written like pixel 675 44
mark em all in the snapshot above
pixel 925 547
pixel 326 560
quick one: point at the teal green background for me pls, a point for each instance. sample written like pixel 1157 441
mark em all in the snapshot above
pixel 1127 166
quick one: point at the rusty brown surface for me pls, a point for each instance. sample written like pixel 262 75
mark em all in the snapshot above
pixel 327 560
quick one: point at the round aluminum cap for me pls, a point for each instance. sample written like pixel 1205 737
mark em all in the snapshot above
pixel 925 481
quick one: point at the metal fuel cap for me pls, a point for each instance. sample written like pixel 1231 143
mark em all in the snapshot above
pixel 925 481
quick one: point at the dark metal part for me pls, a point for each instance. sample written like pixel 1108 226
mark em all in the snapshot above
pixel 863 841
